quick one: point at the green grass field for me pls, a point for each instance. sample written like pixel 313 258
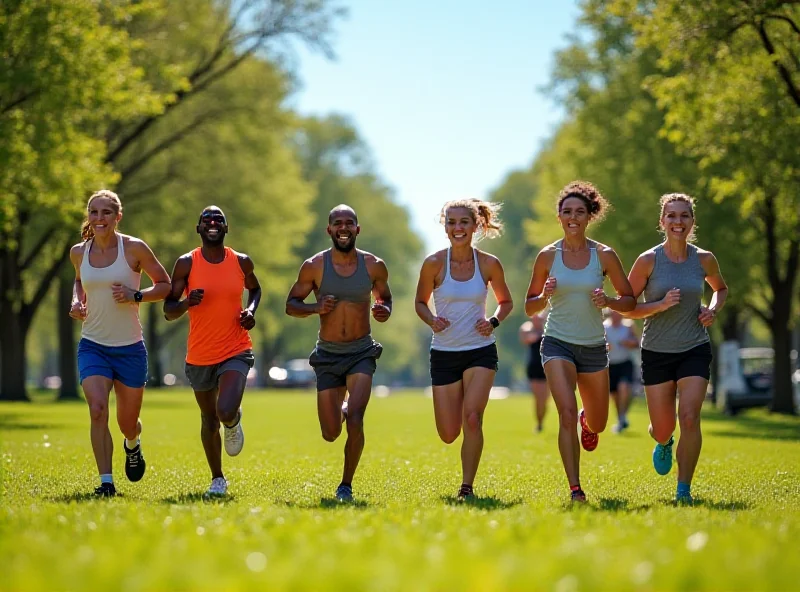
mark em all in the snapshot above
pixel 281 529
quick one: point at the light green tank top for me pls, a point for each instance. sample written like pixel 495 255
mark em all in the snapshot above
pixel 573 317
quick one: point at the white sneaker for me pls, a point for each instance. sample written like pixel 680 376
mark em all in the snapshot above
pixel 219 487
pixel 234 437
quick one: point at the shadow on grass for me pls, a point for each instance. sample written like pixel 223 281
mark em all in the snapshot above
pixel 12 423
pixel 325 503
pixel 719 506
pixel 185 499
pixel 482 503
pixel 756 426
pixel 80 497
pixel 607 504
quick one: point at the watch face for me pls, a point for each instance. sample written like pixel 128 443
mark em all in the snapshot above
pixel 137 296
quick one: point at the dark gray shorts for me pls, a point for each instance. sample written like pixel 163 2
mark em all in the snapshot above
pixel 205 378
pixel 586 358
pixel 333 362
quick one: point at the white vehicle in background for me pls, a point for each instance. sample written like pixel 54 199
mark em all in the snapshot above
pixel 744 377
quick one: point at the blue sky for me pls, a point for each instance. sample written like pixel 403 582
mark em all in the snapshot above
pixel 443 91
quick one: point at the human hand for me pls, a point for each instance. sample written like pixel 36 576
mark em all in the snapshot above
pixel 439 324
pixel 326 304
pixel 122 294
pixel 78 311
pixel 246 319
pixel 380 312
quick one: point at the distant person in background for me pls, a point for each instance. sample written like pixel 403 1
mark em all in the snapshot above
pixel 676 351
pixel 568 275
pixel 463 353
pixel 219 353
pixel 343 279
pixel 530 334
pixel 622 342
pixel 111 352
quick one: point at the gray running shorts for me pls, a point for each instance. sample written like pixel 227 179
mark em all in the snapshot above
pixel 205 378
pixel 586 358
pixel 333 362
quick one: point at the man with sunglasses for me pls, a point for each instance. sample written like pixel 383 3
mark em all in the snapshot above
pixel 219 351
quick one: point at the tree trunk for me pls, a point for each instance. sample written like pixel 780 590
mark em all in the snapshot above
pixel 732 326
pixel 13 365
pixel 67 366
pixel 783 390
pixel 155 369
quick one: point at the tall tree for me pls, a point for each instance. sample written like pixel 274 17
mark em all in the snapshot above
pixel 729 83
pixel 63 71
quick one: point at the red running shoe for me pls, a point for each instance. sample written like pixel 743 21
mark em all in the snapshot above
pixel 589 439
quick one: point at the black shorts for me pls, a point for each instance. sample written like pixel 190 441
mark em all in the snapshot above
pixel 535 370
pixel 333 367
pixel 660 367
pixel 622 372
pixel 448 367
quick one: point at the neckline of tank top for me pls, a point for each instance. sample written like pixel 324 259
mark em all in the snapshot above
pixel 689 252
pixel 359 258
pixel 120 253
pixel 474 271
pixel 560 247
pixel 224 258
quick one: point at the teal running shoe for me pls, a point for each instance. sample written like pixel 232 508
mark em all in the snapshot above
pixel 662 457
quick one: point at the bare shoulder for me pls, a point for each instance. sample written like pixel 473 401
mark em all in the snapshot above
pixel 135 245
pixel 435 261
pixel 708 261
pixel 487 258
pixel 602 248
pixel 648 257
pixel 371 259
pixel 76 252
pixel 547 255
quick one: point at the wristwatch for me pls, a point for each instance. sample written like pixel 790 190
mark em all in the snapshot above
pixel 137 296
pixel 495 322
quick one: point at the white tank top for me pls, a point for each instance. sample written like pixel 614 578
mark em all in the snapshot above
pixel 463 304
pixel 107 322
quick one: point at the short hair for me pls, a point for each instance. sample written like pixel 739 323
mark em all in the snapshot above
pixel 342 208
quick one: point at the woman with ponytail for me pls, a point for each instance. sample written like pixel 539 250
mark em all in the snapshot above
pixel 463 354
pixel 569 274
pixel 111 352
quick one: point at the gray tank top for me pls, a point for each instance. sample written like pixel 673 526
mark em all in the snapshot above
pixel 676 329
pixel 573 317
pixel 353 288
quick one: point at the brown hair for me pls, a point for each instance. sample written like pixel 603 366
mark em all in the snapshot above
pixel 590 195
pixel 483 213
pixel 87 231
pixel 669 198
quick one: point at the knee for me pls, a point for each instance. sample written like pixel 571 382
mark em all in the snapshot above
pixel 689 420
pixel 449 436
pixel 329 434
pixel 473 421
pixel 209 422
pixel 98 411
pixel 662 432
pixel 355 422
pixel 227 413
pixel 568 418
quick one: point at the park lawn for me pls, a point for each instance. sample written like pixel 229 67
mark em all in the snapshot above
pixel 281 529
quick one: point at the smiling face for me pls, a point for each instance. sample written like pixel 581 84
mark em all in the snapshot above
pixel 677 220
pixel 213 226
pixel 343 229
pixel 459 224
pixel 103 215
pixel 574 216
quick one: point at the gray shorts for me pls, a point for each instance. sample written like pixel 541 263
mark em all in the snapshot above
pixel 333 362
pixel 586 358
pixel 205 378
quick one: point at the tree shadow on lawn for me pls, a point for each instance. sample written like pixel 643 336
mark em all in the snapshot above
pixel 185 499
pixel 488 503
pixel 755 427
pixel 10 423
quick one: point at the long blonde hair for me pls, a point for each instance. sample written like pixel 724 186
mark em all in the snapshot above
pixel 483 213
pixel 87 232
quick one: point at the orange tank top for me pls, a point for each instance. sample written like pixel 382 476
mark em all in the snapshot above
pixel 214 330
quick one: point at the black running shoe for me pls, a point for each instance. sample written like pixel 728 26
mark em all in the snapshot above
pixel 134 463
pixel 465 494
pixel 106 490
pixel 578 496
